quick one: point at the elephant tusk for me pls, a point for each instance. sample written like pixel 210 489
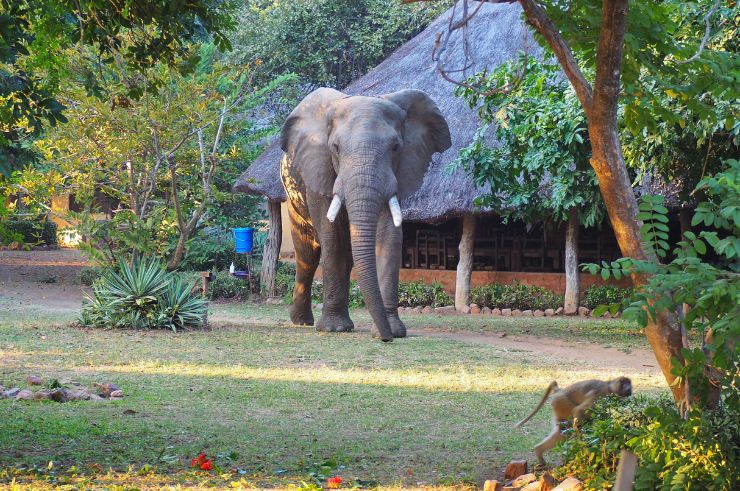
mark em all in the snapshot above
pixel 395 211
pixel 334 207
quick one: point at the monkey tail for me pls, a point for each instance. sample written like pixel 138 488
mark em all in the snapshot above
pixel 550 388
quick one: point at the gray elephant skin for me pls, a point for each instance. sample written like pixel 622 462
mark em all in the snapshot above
pixel 347 162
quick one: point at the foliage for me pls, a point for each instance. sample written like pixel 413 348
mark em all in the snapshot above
pixel 285 280
pixel 704 275
pixel 699 452
pixel 226 286
pixel 142 296
pixel 356 299
pixel 34 35
pixel 540 165
pixel 210 249
pixel 325 42
pixel 90 274
pixel 596 295
pixel 420 294
pixel 516 296
pixel 31 232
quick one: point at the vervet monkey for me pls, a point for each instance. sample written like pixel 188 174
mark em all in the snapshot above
pixel 571 403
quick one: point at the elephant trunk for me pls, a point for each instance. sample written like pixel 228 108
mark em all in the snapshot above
pixel 363 214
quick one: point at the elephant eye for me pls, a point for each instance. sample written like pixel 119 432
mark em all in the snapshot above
pixel 335 147
pixel 396 146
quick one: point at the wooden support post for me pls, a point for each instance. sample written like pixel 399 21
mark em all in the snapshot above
pixel 572 275
pixel 465 264
pixel 272 248
pixel 625 471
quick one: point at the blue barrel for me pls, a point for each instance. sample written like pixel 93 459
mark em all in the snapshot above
pixel 243 239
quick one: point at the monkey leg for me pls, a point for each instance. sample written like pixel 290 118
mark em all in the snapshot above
pixel 580 409
pixel 550 441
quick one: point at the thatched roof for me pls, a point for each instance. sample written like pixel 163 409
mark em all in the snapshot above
pixel 495 35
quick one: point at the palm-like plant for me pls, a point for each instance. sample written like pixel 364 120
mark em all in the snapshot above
pixel 180 307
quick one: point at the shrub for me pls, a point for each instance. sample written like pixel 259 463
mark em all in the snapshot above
pixel 211 249
pixel 417 294
pixel 28 231
pixel 356 299
pixel 605 295
pixel 225 286
pixel 142 296
pixel 516 296
pixel 699 452
pixel 88 275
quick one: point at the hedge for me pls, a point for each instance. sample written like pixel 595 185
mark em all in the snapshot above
pixel 33 232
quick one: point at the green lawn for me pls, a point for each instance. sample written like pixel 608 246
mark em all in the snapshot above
pixel 271 400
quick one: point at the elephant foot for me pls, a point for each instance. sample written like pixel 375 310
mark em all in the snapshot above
pixel 398 328
pixel 300 316
pixel 334 323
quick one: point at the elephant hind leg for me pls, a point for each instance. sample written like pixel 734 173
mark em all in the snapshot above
pixel 307 255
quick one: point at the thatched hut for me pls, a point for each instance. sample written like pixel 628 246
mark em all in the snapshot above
pixel 443 229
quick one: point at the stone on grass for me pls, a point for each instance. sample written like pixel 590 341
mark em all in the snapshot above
pixel 516 312
pixel 116 394
pixel 492 485
pixel 506 312
pixel 607 315
pixel 34 380
pixel 447 309
pixel 560 311
pixel 515 468
pixel 426 310
pixel 474 308
pixel 485 311
pixel 570 484
pixel 78 395
pixel 42 395
pixel 11 393
pixel 549 312
pixel 97 398
pixel 418 309
pixel 523 480
pixel 538 313
pixel 583 311
pixel 24 395
pixel 527 313
pixel 496 311
pixel 105 388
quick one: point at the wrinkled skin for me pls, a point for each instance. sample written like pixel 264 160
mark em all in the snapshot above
pixel 351 157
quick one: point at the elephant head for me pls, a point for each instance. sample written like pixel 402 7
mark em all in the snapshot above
pixel 365 153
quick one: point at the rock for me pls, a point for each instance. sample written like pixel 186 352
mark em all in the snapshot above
pixel 570 484
pixel 560 311
pixel 583 311
pixel 523 480
pixel 607 315
pixel 78 395
pixel 474 309
pixel 97 398
pixel 538 313
pixel 426 310
pixel 34 380
pixel 496 311
pixel 42 395
pixel 506 312
pixel 15 246
pixel 492 486
pixel 527 313
pixel 549 312
pixel 11 393
pixel 418 309
pixel 485 311
pixel 547 482
pixel 516 313
pixel 106 388
pixel 24 395
pixel 446 310
pixel 502 335
pixel 514 469
pixel 533 486
pixel 116 394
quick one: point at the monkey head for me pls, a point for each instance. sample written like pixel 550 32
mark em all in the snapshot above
pixel 621 386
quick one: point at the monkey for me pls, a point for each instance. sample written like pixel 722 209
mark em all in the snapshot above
pixel 572 402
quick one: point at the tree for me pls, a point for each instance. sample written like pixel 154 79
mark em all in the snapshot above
pixel 35 33
pixel 539 170
pixel 661 44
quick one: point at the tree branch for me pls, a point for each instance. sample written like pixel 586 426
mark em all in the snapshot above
pixel 705 38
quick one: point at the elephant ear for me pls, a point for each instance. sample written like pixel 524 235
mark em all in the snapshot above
pixel 304 140
pixel 425 132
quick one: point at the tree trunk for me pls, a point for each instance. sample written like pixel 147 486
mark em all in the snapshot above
pixel 272 248
pixel 600 105
pixel 178 253
pixel 572 275
pixel 465 265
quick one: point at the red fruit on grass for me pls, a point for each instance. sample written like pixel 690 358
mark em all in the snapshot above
pixel 207 465
pixel 198 461
pixel 334 482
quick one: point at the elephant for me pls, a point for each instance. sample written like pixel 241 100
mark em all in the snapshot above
pixel 347 161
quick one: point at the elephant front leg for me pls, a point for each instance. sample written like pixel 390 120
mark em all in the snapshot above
pixel 336 265
pixel 388 253
pixel 307 255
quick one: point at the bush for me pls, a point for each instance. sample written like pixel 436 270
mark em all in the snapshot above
pixel 225 286
pixel 210 249
pixel 356 299
pixel 88 275
pixel 31 232
pixel 143 296
pixel 605 295
pixel 700 452
pixel 516 296
pixel 419 294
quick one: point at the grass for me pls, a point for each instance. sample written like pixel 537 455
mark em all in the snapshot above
pixel 273 401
